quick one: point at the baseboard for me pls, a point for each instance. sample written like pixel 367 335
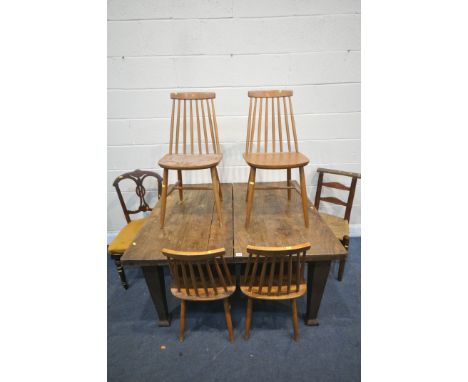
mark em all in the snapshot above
pixel 354 231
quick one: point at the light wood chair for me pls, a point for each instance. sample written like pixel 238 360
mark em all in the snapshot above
pixel 125 237
pixel 339 226
pixel 201 276
pixel 271 110
pixel 200 150
pixel 274 273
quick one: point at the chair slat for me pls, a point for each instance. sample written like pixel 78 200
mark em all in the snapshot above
pixel 210 275
pixel 177 128
pixel 247 268
pixel 226 269
pixel 337 185
pixel 332 199
pixel 184 277
pixel 272 274
pixel 220 274
pixel 280 275
pixel 252 129
pixel 280 134
pixel 204 126
pixel 273 127
pixel 171 133
pixel 202 278
pixel 191 127
pixel 259 131
pixel 215 123
pixel 200 151
pixel 194 280
pixel 253 274
pixel 293 124
pixel 176 274
pixel 290 265
pixel 210 121
pixel 185 127
pixel 265 147
pixel 286 123
pixel 262 275
pixel 247 139
pixel 298 273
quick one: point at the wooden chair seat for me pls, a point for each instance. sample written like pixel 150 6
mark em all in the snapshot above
pixel 189 161
pixel 212 295
pixel 125 237
pixel 339 226
pixel 282 160
pixel 282 295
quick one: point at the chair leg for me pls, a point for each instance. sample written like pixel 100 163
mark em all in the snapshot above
pixel 248 318
pixel 305 201
pixel 250 193
pixel 164 197
pixel 181 192
pixel 294 319
pixel 341 268
pixel 216 186
pixel 182 320
pixel 121 273
pixel 219 182
pixel 289 183
pixel 227 314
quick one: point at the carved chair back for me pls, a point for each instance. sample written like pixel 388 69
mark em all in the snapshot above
pixel 137 176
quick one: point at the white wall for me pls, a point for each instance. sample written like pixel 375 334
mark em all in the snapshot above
pixel 231 46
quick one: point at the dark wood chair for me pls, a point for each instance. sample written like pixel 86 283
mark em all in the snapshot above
pixel 274 273
pixel 200 150
pixel 274 110
pixel 125 237
pixel 339 226
pixel 201 276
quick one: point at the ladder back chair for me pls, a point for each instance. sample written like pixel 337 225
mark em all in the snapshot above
pixel 339 226
pixel 274 273
pixel 193 144
pixel 201 276
pixel 124 238
pixel 271 143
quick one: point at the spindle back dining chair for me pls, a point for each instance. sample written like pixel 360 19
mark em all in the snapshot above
pixel 201 276
pixel 193 144
pixel 274 273
pixel 271 143
pixel 124 238
pixel 339 226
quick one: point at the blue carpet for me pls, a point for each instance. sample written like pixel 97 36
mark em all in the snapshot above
pixel 328 352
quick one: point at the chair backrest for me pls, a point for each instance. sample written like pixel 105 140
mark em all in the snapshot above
pixel 271 112
pixel 275 270
pixel 198 116
pixel 202 274
pixel 339 186
pixel 138 176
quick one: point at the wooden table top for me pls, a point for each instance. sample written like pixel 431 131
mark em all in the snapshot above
pixel 193 226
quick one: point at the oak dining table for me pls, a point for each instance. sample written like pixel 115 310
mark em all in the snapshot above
pixel 192 225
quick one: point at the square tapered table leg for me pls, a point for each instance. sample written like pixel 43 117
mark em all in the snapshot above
pixel 154 276
pixel 317 275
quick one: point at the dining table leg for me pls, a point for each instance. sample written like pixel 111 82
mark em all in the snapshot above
pixel 154 276
pixel 317 275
